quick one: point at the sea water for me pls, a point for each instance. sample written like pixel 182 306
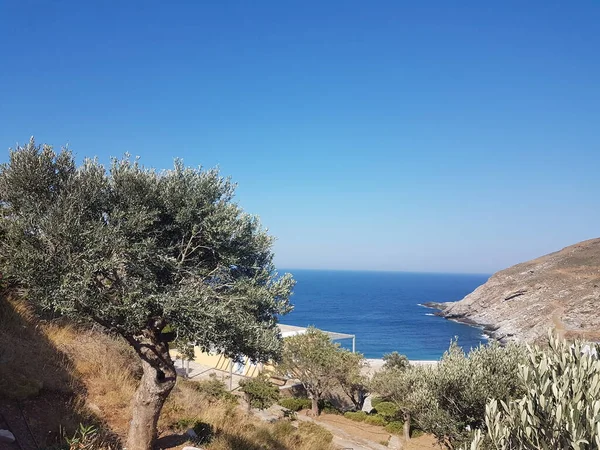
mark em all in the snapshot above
pixel 384 309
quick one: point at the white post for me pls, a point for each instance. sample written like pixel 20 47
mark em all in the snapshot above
pixel 353 344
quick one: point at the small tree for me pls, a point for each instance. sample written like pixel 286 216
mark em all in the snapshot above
pixel 350 377
pixel 260 393
pixel 312 359
pixel 409 390
pixel 395 360
pixel 135 251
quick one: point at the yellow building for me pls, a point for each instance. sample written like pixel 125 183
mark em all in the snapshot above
pixel 205 363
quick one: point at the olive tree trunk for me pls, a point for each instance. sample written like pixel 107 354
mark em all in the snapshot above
pixel 406 428
pixel 158 379
pixel 315 405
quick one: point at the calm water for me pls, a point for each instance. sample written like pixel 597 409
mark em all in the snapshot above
pixel 382 309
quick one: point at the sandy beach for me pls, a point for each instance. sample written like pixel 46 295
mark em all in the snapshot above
pixel 375 365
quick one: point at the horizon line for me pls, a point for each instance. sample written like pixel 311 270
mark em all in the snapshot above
pixel 279 269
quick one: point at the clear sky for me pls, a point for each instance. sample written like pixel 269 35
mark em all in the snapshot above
pixel 456 137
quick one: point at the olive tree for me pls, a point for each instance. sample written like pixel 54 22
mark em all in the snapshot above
pixel 136 250
pixel 408 388
pixel 313 359
pixel 560 406
pixel 350 377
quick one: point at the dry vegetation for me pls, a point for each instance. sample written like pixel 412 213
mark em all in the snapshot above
pixel 63 375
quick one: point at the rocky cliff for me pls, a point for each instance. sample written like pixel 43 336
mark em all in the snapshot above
pixel 559 291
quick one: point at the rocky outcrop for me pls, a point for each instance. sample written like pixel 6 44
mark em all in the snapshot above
pixel 559 291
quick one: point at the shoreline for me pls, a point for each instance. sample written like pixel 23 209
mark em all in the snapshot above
pixel 489 331
pixel 376 364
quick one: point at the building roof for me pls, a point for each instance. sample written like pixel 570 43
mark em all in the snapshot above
pixel 292 330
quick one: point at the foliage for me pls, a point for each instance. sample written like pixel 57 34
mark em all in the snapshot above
pixel 395 427
pixel 295 404
pixel 395 360
pixel 450 399
pixel 327 407
pixel 388 410
pixel 214 389
pixel 260 392
pixel 376 419
pixel 135 250
pixel 358 416
pixel 463 384
pixel 350 378
pixel 560 407
pixel 376 400
pixel 88 437
pixel 313 359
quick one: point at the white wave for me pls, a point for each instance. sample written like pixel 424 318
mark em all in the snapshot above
pixel 429 314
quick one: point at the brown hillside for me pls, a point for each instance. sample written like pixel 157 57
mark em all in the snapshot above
pixel 55 376
pixel 559 291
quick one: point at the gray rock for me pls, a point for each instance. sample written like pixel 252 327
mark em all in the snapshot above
pixel 191 448
pixel 559 291
pixel 191 433
pixel 7 436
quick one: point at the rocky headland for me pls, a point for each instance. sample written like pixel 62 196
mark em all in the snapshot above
pixel 559 291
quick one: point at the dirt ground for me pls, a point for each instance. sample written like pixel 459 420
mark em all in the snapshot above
pixel 374 433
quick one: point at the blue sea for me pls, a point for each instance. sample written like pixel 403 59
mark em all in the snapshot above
pixel 383 309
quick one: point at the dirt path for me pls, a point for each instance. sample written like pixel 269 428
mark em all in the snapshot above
pixel 365 436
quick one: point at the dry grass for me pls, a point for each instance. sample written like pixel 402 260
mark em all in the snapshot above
pixel 97 375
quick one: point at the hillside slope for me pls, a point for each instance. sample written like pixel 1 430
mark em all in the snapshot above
pixel 559 291
pixel 55 375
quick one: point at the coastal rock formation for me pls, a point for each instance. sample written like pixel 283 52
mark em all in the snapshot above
pixel 559 291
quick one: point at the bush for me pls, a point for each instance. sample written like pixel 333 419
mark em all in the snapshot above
pixel 358 416
pixel 449 399
pixel 388 410
pixel 559 409
pixel 214 389
pixel 325 406
pixel 259 392
pixel 296 404
pixel 376 401
pixel 395 360
pixel 376 420
pixel 395 427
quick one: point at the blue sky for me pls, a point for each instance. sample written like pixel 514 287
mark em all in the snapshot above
pixel 451 136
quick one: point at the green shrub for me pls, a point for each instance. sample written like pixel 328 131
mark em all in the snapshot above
pixel 376 420
pixel 388 410
pixel 325 406
pixel 449 399
pixel 211 387
pixel 395 360
pixel 559 409
pixel 376 401
pixel 296 404
pixel 259 392
pixel 357 416
pixel 395 427
pixel 214 389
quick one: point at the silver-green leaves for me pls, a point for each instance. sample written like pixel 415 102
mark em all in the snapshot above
pixel 560 408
